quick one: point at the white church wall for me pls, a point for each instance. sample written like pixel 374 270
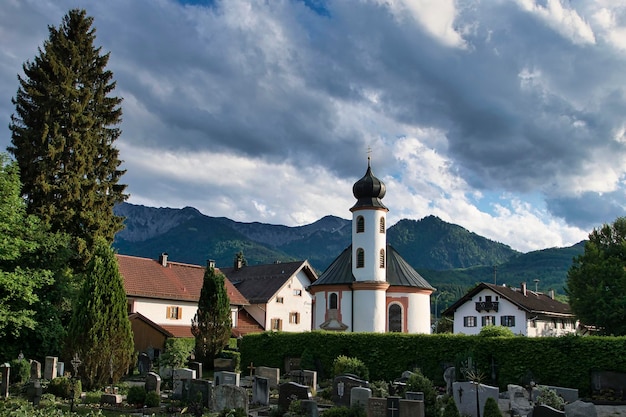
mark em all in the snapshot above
pixel 370 311
pixel 419 313
pixel 371 241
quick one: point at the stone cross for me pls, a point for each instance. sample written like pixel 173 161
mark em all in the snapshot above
pixel 76 363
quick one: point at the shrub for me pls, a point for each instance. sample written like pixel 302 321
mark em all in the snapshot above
pixel 345 365
pixel 550 397
pixel 491 408
pixel 419 383
pixel 152 399
pixel 233 412
pixel 177 350
pixel 136 395
pixel 379 389
pixel 450 409
pixel 20 371
pixel 62 387
pixel 496 331
pixel 345 412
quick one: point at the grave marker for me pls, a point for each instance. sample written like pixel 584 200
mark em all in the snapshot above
pixel 342 387
pixel 411 408
pixel 359 396
pixel 229 397
pixel 153 382
pixel 272 374
pixel 261 391
pixel 291 391
pixel 50 367
pixel 376 407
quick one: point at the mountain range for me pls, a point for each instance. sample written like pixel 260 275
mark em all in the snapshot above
pixel 449 256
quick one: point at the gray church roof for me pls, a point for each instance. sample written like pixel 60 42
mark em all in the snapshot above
pixel 399 272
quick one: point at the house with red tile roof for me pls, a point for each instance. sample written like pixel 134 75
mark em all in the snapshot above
pixel 165 294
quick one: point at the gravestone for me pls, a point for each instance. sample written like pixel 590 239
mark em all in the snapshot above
pixel 342 387
pixel 200 390
pixel 309 408
pixel 111 399
pixel 178 385
pixel 608 384
pixel 5 369
pixel 272 374
pixel 415 396
pixel 449 375
pixel 393 406
pixel 411 408
pixel 196 366
pixel 465 396
pixel 304 377
pixel 518 397
pixel 543 410
pixel 229 397
pixel 144 364
pixel 153 382
pixel 376 407
pixel 581 409
pixel 226 378
pixel 34 391
pixel 50 367
pixel 60 368
pixel 223 364
pixel 261 390
pixel 359 396
pixel 291 391
pixel 35 370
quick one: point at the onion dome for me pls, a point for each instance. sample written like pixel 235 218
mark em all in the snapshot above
pixel 368 191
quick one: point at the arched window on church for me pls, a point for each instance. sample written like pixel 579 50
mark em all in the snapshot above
pixel 332 301
pixel 360 224
pixel 381 226
pixel 381 259
pixel 395 318
pixel 360 258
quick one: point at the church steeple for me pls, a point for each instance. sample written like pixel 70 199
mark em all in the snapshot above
pixel 369 190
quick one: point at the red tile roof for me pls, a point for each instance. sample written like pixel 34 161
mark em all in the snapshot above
pixel 145 277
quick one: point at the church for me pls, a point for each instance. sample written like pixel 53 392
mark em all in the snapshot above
pixel 369 287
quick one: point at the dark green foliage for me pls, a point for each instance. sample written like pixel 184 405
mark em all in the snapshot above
pixel 234 412
pixel 450 408
pixel 20 371
pixel 211 326
pixel 550 397
pixel 596 283
pixel 496 331
pixel 136 395
pixel 345 365
pixel 234 355
pixel 152 399
pixel 100 331
pixel 345 412
pixel 420 383
pixel 379 389
pixel 491 408
pixel 62 387
pixel 63 132
pixel 177 352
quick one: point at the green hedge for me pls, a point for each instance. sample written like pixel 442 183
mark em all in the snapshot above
pixel 562 361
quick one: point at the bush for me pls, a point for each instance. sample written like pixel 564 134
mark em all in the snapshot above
pixel 346 365
pixel 491 408
pixel 20 371
pixel 496 331
pixel 233 412
pixel 450 409
pixel 136 395
pixel 62 387
pixel 419 383
pixel 379 389
pixel 152 399
pixel 345 412
pixel 177 350
pixel 550 397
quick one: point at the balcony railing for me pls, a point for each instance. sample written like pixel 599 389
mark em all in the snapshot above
pixel 487 306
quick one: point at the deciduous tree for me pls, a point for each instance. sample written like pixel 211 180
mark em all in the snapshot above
pixel 596 282
pixel 211 325
pixel 63 131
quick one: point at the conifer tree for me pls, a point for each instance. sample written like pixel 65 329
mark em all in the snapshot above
pixel 211 325
pixel 63 131
pixel 100 331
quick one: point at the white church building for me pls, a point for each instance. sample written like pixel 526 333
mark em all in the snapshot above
pixel 369 287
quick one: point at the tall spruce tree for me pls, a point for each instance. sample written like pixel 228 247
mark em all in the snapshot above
pixel 100 331
pixel 63 131
pixel 211 325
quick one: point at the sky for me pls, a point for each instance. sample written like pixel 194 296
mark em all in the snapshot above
pixel 506 117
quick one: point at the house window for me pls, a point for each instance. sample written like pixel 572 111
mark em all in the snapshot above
pixel 508 321
pixel 174 312
pixel 381 226
pixel 294 318
pixel 381 261
pixel 297 292
pixel 360 224
pixel 488 320
pixel 360 258
pixel 469 321
pixel 332 302
pixel 280 300
pixel 277 324
pixel 395 318
pixel 533 322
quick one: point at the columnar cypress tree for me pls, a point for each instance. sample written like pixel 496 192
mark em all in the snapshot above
pixel 211 325
pixel 63 132
pixel 100 331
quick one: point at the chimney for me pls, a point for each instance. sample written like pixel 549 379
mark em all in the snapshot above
pixel 238 263
pixel 210 263
pixel 523 288
pixel 163 259
pixel 551 293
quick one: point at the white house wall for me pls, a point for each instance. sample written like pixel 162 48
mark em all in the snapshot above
pixel 505 308
pixel 156 310
pixel 292 303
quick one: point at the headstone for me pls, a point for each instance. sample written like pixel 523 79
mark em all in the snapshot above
pixel 111 399
pixel 229 397
pixel 465 396
pixel 292 364
pixel 376 407
pixel 200 390
pixel 519 403
pixel 543 410
pixel 449 375
pixel 5 368
pixel 144 363
pixel 178 385
pixel 411 408
pixel 50 368
pixel 223 364
pixel 414 396
pixel 272 374
pixel 304 377
pixel 608 383
pixel 196 366
pixel 309 408
pixel 35 370
pixel 60 368
pixel 581 409
pixel 261 391
pixel 291 391
pixel 153 382
pixel 226 378
pixel 359 396
pixel 393 406
pixel 342 387
pixel 34 391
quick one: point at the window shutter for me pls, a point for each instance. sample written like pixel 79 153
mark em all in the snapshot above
pixel 180 313
pixel 168 312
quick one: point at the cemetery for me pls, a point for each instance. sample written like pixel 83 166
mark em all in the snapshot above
pixel 282 374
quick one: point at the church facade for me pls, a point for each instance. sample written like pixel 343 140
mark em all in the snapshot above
pixel 369 287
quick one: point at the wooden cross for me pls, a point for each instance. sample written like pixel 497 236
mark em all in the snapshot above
pixel 251 368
